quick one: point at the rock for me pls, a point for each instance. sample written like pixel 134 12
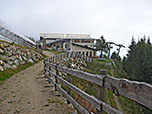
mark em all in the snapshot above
pixel 72 65
pixel 20 58
pixel 14 52
pixel 1 45
pixel 12 58
pixel 22 62
pixel 10 62
pixel 8 66
pixel 4 58
pixel 1 62
pixel 1 51
pixel 8 49
pixel 6 45
pixel 24 58
pixel 13 67
pixel 1 68
pixel 71 60
pixel 4 66
pixel 81 68
pixel 30 60
pixel 16 62
pixel 9 53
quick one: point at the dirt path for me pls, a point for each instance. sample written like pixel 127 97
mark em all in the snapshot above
pixel 28 92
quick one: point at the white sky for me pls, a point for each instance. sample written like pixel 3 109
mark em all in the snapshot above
pixel 117 20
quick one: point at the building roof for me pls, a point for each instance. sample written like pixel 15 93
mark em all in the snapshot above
pixel 84 46
pixel 56 41
pixel 65 36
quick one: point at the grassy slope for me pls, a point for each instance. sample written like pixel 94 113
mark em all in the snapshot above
pixel 128 106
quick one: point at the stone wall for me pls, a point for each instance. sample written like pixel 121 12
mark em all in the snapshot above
pixel 11 56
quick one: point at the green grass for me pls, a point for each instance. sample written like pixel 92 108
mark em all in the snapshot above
pixel 9 72
pixel 128 106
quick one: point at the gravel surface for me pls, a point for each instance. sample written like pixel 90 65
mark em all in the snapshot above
pixel 28 92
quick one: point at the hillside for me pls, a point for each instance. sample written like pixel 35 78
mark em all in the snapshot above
pixel 123 104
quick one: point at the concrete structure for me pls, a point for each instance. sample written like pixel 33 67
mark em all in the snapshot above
pixel 82 43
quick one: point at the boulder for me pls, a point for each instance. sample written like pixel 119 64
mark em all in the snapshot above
pixel 8 66
pixel 24 58
pixel 16 62
pixel 12 58
pixel 1 62
pixel 22 62
pixel 10 62
pixel 71 60
pixel 9 53
pixel 31 61
pixel 13 67
pixel 4 66
pixel 20 58
pixel 8 48
pixel 1 45
pixel 1 68
pixel 6 44
pixel 1 51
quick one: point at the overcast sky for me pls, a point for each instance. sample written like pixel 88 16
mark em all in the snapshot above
pixel 117 20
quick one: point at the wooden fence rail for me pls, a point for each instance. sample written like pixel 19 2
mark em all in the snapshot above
pixel 61 56
pixel 140 92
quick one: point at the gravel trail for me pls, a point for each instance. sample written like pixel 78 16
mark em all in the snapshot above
pixel 28 92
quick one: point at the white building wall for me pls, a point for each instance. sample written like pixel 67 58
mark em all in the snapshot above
pixel 82 50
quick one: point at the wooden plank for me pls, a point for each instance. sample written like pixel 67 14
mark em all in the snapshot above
pixel 57 73
pixel 50 80
pixel 140 92
pixel 52 65
pixel 100 92
pixel 95 102
pixel 91 99
pixel 75 104
pixel 108 109
pixel 69 80
pixel 93 78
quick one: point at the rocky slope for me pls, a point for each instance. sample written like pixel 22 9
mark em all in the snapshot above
pixel 11 56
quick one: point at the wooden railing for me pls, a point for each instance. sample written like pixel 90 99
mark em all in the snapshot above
pixel 61 56
pixel 139 92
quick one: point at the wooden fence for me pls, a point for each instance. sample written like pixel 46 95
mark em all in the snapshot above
pixel 139 92
pixel 61 56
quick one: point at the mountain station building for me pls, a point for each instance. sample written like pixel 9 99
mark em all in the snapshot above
pixel 82 43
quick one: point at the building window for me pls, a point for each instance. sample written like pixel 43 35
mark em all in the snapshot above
pixel 94 53
pixel 86 53
pixel 90 53
pixel 83 52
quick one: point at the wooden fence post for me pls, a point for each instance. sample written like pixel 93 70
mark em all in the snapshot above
pixel 100 92
pixel 44 68
pixel 57 73
pixel 69 80
pixel 53 59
